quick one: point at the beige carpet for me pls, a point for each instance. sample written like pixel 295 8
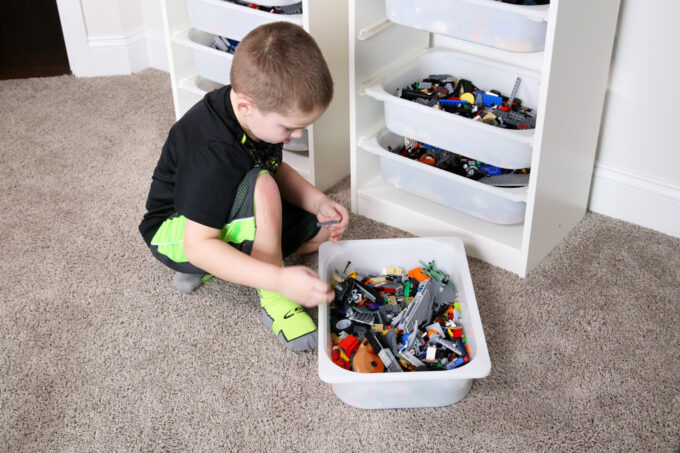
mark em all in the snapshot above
pixel 99 353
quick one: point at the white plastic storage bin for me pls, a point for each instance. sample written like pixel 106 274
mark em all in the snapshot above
pixel 407 389
pixel 516 28
pixel 505 148
pixel 231 20
pixel 298 144
pixel 199 85
pixel 276 2
pixel 211 64
pixel 502 205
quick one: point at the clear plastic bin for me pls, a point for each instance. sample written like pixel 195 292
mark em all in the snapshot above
pixel 503 148
pixel 298 144
pixel 499 205
pixel 199 86
pixel 235 21
pixel 407 389
pixel 516 28
pixel 211 64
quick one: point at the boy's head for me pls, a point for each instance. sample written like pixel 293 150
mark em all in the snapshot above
pixel 280 80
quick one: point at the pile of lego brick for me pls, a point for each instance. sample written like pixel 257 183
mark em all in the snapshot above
pixel 396 321
pixel 461 165
pixel 295 8
pixel 462 97
pixel 224 44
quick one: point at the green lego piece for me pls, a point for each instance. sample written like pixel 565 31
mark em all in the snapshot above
pixel 435 274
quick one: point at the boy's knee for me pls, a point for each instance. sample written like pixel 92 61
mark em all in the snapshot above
pixel 267 196
pixel 266 184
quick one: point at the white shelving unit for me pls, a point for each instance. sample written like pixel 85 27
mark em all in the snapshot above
pixel 572 71
pixel 196 69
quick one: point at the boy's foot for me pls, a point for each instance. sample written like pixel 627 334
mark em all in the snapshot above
pixel 186 283
pixel 288 320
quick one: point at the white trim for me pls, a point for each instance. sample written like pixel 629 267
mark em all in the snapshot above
pixel 75 37
pixel 619 193
pixel 160 244
pixel 114 55
pixel 108 55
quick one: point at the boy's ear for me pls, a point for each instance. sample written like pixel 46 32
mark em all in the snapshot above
pixel 245 105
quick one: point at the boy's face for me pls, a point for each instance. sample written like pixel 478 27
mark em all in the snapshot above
pixel 272 127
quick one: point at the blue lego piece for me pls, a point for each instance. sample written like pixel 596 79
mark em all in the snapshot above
pixel 491 170
pixel 452 102
pixel 490 100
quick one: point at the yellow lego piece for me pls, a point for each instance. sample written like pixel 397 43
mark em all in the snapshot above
pixel 377 280
pixel 394 270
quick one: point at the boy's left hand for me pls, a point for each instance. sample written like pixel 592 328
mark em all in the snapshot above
pixel 331 210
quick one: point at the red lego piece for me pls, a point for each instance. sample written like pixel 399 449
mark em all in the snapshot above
pixel 337 359
pixel 349 344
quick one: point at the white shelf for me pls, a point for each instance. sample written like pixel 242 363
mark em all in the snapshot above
pixel 572 72
pixel 195 69
pixel 484 240
pixel 299 160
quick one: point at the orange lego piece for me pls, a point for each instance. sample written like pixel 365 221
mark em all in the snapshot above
pixel 418 274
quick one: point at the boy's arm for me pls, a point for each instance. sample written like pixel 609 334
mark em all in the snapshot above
pixel 297 190
pixel 204 249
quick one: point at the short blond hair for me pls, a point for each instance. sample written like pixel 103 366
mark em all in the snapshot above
pixel 280 66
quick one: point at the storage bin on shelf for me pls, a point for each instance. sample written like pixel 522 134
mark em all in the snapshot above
pixel 407 389
pixel 235 21
pixel 516 28
pixel 198 85
pixel 276 2
pixel 503 148
pixel 298 144
pixel 501 205
pixel 211 64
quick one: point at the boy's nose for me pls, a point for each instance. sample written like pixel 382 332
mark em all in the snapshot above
pixel 297 133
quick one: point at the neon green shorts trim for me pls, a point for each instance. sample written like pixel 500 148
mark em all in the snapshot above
pixel 239 231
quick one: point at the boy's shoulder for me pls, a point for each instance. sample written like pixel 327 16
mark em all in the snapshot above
pixel 210 120
pixel 207 131
pixel 213 109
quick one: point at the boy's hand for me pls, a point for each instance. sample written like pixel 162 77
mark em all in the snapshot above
pixel 331 210
pixel 303 285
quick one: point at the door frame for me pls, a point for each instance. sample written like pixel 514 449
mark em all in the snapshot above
pixel 75 37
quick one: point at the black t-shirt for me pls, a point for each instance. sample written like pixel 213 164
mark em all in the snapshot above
pixel 201 165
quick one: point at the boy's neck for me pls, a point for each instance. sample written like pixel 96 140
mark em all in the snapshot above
pixel 233 99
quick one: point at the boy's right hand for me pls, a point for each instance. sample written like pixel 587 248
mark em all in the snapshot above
pixel 303 285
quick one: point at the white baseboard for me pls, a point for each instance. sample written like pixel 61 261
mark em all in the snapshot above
pixel 622 194
pixel 157 52
pixel 122 55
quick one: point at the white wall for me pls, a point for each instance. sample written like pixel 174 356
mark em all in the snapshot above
pixel 155 39
pixel 637 171
pixel 109 37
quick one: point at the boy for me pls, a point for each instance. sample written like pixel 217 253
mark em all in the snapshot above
pixel 221 201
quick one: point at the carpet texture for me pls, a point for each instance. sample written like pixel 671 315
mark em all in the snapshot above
pixel 99 353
